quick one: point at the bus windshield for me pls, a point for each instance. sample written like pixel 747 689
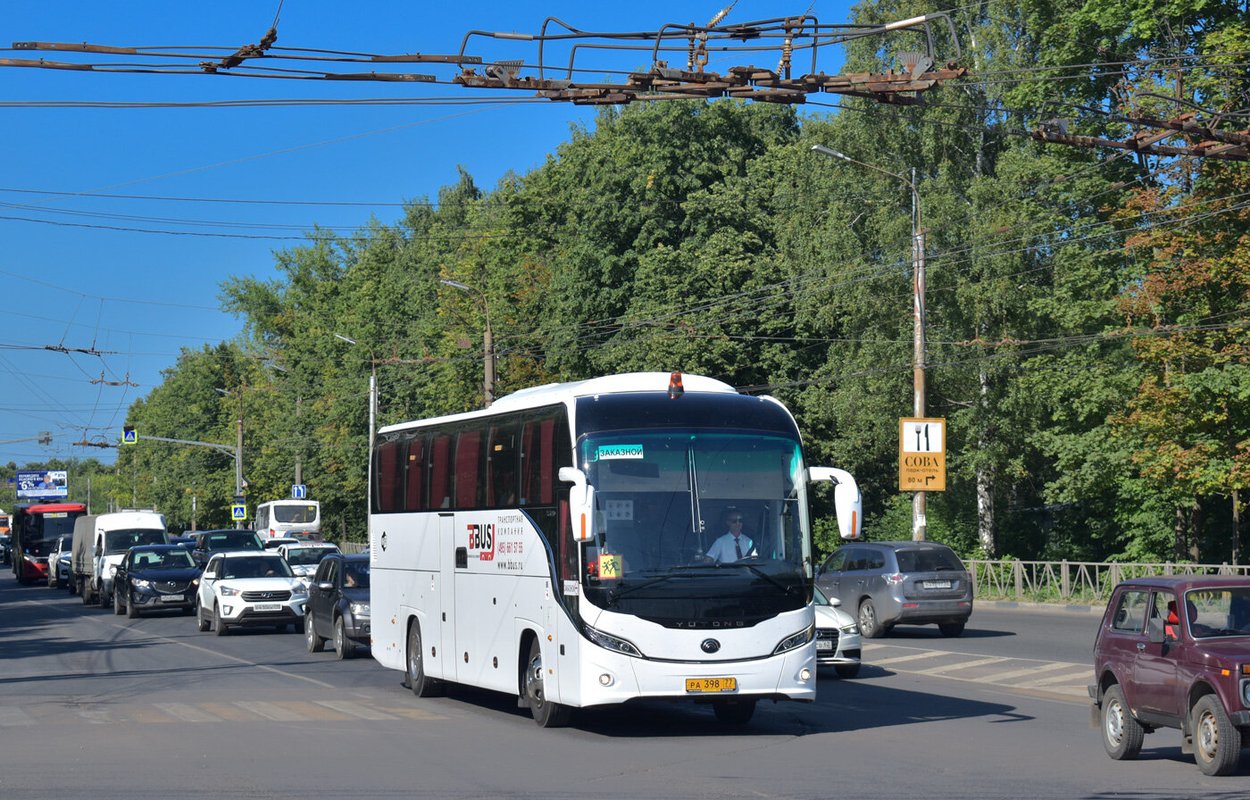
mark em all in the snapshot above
pixel 664 499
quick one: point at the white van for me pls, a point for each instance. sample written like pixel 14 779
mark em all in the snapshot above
pixel 101 544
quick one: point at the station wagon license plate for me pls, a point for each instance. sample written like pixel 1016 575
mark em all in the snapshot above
pixel 711 685
pixel 936 584
pixel 267 607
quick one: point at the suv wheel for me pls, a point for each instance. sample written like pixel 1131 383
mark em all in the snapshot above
pixel 343 647
pixel 1217 742
pixel 869 626
pixel 1122 734
pixel 219 626
pixel 315 643
pixel 132 611
pixel 201 622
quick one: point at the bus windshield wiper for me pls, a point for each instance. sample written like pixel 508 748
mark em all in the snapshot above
pixel 621 591
pixel 788 589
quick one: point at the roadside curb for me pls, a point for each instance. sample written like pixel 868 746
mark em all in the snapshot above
pixel 1057 608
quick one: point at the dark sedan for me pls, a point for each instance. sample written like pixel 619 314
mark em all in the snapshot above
pixel 155 576
pixel 338 604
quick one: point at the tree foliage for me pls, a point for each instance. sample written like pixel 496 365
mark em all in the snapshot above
pixel 1085 315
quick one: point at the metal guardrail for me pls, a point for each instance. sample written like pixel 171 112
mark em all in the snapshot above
pixel 1073 581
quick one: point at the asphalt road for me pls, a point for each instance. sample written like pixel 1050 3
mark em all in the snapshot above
pixel 93 705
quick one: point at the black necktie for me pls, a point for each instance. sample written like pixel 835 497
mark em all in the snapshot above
pixel 738 545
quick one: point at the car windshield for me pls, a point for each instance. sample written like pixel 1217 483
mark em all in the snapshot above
pixel 255 567
pixel 243 540
pixel 162 559
pixel 928 559
pixel 1219 612
pixel 356 574
pixel 305 556
pixel 122 540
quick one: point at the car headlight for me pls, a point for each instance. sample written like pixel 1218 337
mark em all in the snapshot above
pixel 796 640
pixel 228 591
pixel 852 628
pixel 359 609
pixel 141 583
pixel 609 642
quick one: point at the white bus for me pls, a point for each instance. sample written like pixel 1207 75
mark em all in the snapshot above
pixel 553 546
pixel 280 517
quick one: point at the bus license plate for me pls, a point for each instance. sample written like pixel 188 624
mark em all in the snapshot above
pixel 711 685
pixel 267 607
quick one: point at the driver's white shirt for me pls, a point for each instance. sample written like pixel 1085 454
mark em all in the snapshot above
pixel 722 550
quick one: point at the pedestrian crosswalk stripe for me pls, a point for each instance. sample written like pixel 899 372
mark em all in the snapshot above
pixel 271 711
pixel 187 712
pixel 980 662
pixel 912 657
pixel 354 709
pixel 11 716
pixel 999 677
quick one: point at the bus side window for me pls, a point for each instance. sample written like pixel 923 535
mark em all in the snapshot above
pixel 470 469
pixel 414 475
pixel 440 470
pixel 501 472
pixel 387 483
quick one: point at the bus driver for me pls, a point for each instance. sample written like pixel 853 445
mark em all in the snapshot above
pixel 734 545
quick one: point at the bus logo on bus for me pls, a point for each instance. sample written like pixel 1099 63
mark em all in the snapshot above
pixel 482 539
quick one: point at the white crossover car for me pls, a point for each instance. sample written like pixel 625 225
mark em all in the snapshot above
pixel 837 637
pixel 249 588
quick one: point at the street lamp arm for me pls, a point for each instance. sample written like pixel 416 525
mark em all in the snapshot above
pixel 829 151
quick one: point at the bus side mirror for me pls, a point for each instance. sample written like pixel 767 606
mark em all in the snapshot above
pixel 847 501
pixel 581 503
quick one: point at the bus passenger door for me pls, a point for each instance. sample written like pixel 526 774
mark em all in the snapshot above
pixel 446 622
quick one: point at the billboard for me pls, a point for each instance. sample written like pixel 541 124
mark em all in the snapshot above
pixel 48 484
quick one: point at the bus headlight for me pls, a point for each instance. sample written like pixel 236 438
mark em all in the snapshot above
pixel 609 642
pixel 796 640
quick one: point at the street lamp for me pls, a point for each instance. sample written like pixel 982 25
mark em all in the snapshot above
pixel 918 312
pixel 488 342
pixel 373 393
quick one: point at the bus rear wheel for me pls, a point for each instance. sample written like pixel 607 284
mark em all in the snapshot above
pixel 422 685
pixel 546 713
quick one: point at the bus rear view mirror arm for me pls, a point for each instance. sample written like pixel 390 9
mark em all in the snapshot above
pixel 581 503
pixel 847 501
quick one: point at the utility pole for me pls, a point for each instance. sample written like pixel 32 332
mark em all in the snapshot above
pixel 918 520
pixel 488 340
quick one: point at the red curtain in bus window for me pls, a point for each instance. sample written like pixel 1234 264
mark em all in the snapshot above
pixel 386 478
pixel 440 470
pixel 470 467
pixel 414 475
pixel 546 461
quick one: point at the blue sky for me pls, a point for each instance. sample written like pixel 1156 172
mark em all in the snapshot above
pixel 70 278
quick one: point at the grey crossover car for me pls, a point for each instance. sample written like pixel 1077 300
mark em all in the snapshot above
pixel 899 583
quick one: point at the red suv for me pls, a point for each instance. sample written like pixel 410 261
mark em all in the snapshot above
pixel 1174 652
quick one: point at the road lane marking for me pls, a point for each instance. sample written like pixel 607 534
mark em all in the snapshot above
pixel 271 711
pixel 1084 677
pixel 187 712
pixel 354 710
pixel 1044 666
pixel 962 665
pixel 913 657
pixel 12 716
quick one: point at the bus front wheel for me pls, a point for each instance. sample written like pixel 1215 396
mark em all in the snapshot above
pixel 546 713
pixel 422 685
